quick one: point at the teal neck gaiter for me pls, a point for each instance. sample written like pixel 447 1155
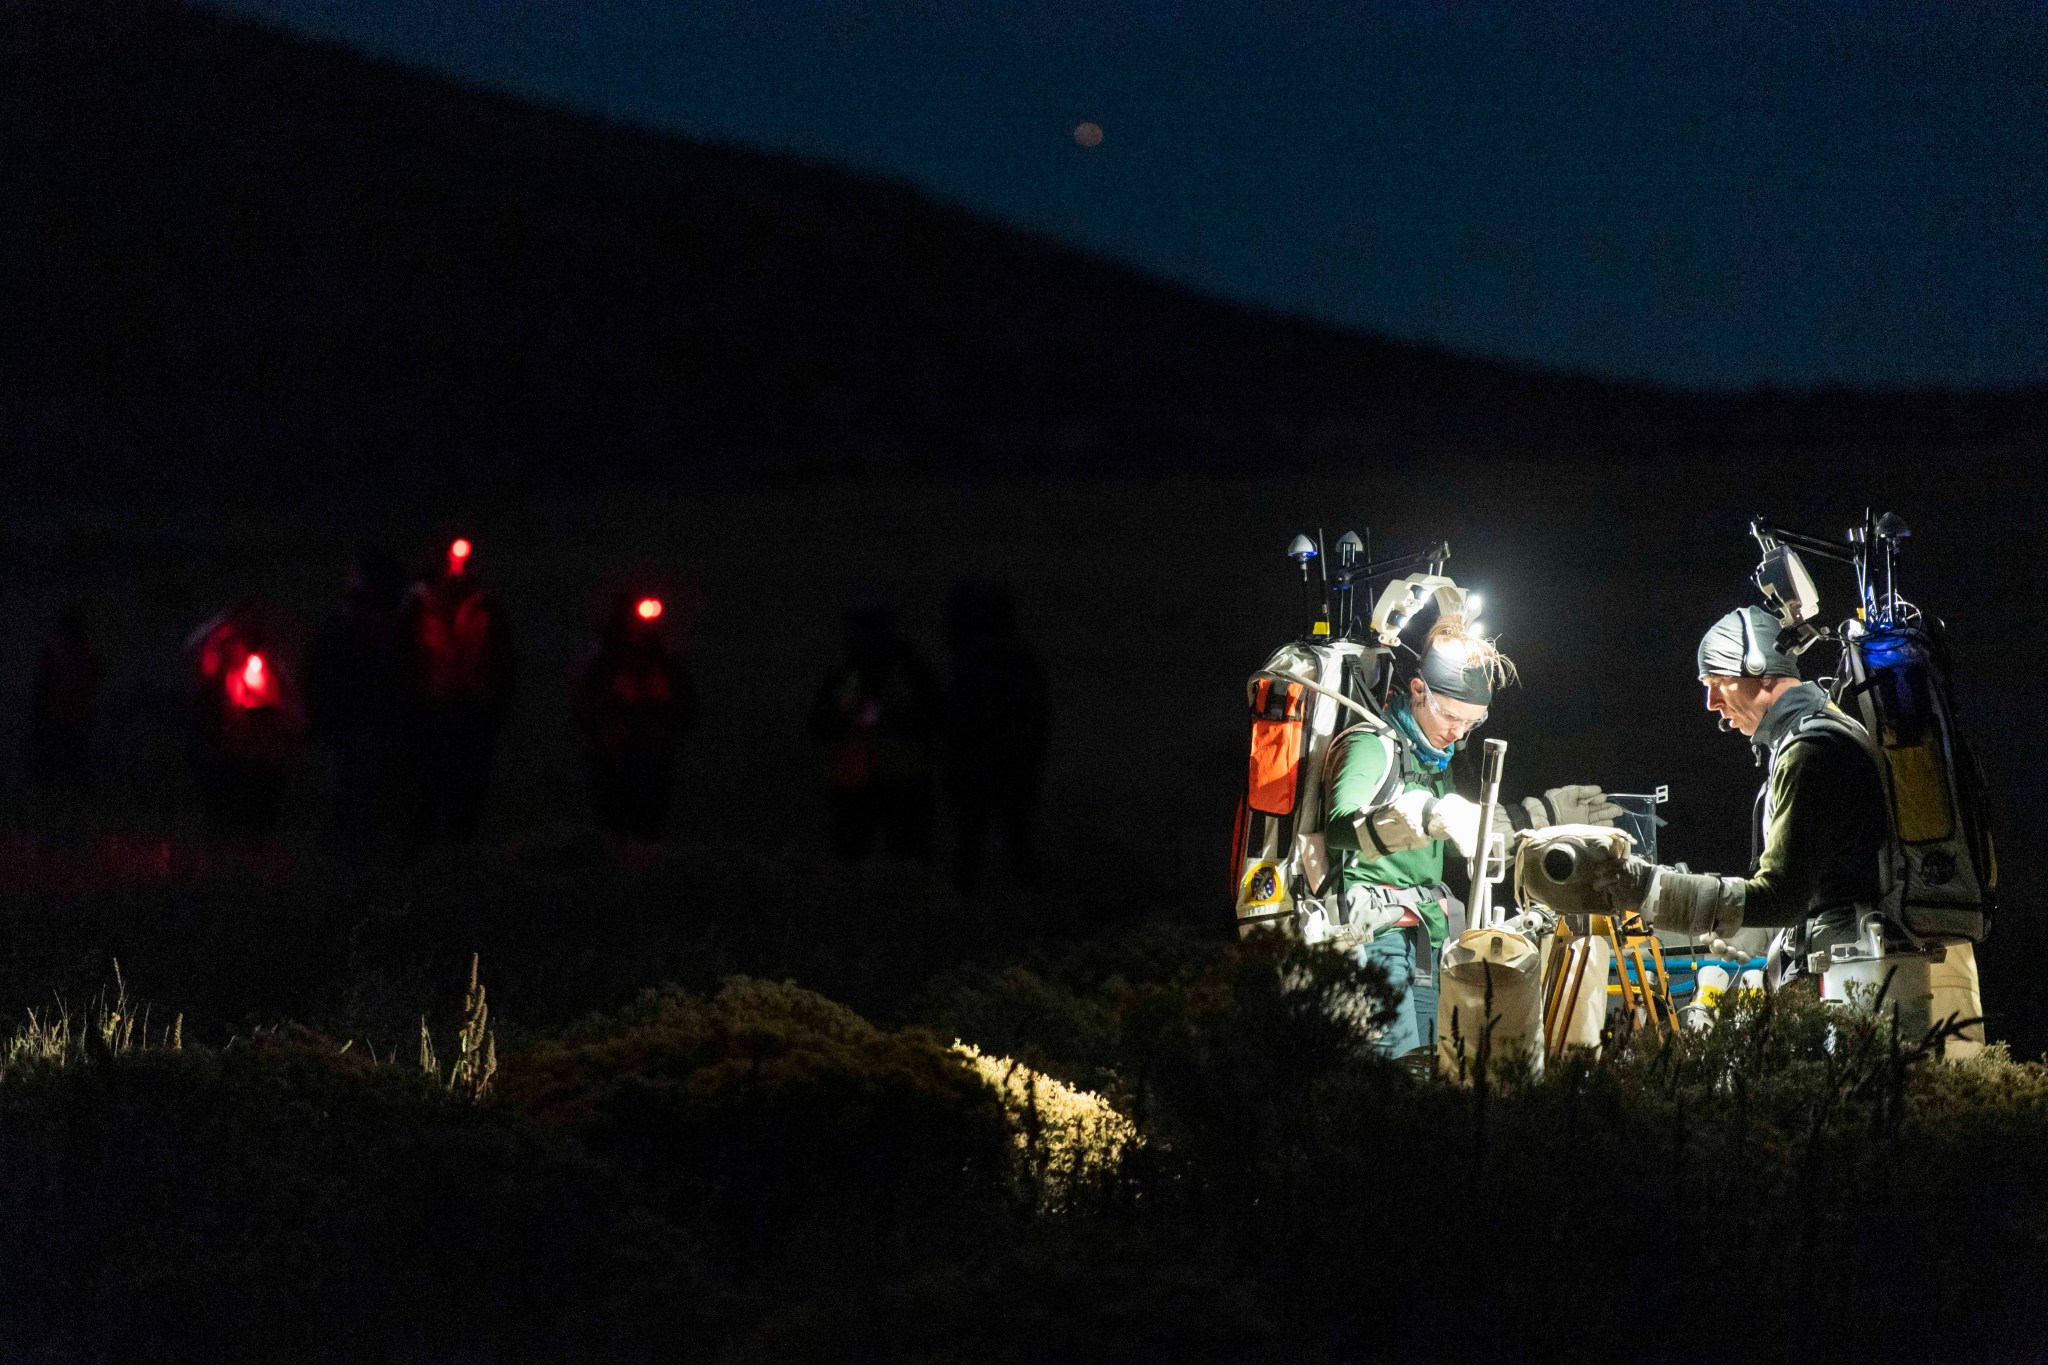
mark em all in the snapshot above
pixel 1431 757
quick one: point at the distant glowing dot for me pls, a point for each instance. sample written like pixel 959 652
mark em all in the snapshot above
pixel 649 608
pixel 1088 134
pixel 460 549
pixel 252 672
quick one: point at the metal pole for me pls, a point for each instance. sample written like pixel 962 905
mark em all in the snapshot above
pixel 1493 756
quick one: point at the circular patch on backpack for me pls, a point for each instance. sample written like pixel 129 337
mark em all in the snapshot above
pixel 1938 869
pixel 1261 886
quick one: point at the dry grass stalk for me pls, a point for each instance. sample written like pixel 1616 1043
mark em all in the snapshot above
pixel 57 1039
pixel 476 1060
pixel 476 1054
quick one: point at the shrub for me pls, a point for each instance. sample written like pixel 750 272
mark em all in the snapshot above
pixel 1068 1142
pixel 1810 1182
pixel 768 1110
pixel 284 1199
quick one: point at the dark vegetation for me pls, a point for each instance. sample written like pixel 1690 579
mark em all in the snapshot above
pixel 750 1171
pixel 726 1125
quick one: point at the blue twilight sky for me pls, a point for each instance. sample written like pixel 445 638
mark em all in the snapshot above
pixel 1699 193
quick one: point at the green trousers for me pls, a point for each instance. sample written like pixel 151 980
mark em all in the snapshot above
pixel 1401 952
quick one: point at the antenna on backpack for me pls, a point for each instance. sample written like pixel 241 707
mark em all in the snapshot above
pixel 1301 550
pixel 1323 568
pixel 1891 530
pixel 1350 554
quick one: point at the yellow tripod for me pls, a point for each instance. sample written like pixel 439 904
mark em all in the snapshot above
pixel 1643 984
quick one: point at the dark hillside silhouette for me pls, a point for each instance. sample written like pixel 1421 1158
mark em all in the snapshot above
pixel 229 252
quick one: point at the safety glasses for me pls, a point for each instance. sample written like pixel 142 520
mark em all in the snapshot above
pixel 1464 725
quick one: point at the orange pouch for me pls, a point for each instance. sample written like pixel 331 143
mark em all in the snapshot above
pixel 1276 746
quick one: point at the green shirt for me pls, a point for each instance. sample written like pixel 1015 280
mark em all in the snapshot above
pixel 1359 767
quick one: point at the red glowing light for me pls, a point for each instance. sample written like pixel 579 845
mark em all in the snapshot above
pixel 649 609
pixel 458 555
pixel 253 684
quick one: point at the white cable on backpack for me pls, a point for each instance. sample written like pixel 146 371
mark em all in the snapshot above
pixel 1317 688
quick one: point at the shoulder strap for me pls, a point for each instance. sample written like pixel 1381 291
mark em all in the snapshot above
pixel 1831 719
pixel 1401 765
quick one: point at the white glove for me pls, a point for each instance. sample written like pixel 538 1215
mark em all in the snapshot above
pixel 1581 804
pixel 1395 827
pixel 1502 825
pixel 1456 819
pixel 1694 902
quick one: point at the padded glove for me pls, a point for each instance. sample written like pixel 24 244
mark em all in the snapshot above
pixel 1456 819
pixel 1396 827
pixel 1580 804
pixel 1628 885
pixel 1694 902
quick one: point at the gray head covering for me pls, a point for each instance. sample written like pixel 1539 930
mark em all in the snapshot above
pixel 1744 644
pixel 1448 677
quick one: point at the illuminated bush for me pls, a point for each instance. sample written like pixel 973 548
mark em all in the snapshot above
pixel 1067 1139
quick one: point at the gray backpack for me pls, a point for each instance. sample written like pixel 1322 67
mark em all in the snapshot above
pixel 1940 875
pixel 1308 698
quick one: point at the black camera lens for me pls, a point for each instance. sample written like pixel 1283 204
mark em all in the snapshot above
pixel 1559 862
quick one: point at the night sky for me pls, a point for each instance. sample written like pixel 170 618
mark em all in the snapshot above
pixel 1711 195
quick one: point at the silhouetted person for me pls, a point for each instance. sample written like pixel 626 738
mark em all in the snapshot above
pixel 876 717
pixel 354 697
pixel 634 704
pixel 246 718
pixel 997 722
pixel 455 676
pixel 66 692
